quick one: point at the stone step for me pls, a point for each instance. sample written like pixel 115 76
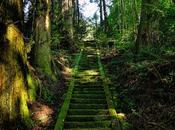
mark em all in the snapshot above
pixel 88 111
pixel 88 89
pixel 96 83
pixel 84 118
pixel 88 106
pixel 88 92
pixel 89 96
pixel 88 86
pixel 90 124
pixel 89 129
pixel 85 100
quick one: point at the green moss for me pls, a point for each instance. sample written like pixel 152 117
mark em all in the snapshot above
pixel 13 91
pixel 118 118
pixel 42 56
pixel 24 111
pixel 32 87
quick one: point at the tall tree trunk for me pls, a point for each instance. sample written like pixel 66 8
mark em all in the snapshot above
pixel 122 11
pixel 13 68
pixel 42 58
pixel 78 12
pixel 67 11
pixel 101 13
pixel 67 30
pixel 149 22
pixel 105 17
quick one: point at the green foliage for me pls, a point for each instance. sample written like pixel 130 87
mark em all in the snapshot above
pixel 47 95
pixel 167 25
pixel 55 41
pixel 102 39
pixel 126 126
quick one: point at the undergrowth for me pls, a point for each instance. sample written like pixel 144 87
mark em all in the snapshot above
pixel 143 86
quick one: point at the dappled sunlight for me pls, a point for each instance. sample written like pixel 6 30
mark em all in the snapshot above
pixel 47 22
pixel 90 56
pixel 41 113
pixel 14 36
pixel 89 72
pixel 13 93
pixel 88 79
pixel 32 87
pixel 67 70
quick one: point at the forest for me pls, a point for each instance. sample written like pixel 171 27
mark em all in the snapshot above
pixel 87 64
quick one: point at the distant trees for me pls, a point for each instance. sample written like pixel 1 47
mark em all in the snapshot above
pixel 103 15
pixel 123 20
pixel 140 22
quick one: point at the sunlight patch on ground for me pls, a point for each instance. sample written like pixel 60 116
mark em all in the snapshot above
pixel 41 113
pixel 88 78
pixel 89 72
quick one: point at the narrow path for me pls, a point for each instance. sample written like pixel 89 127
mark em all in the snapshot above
pixel 87 106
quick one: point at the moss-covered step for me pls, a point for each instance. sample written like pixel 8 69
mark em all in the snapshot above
pixel 94 66
pixel 90 124
pixel 88 89
pixel 85 100
pixel 89 86
pixel 88 106
pixel 89 96
pixel 88 74
pixel 84 118
pixel 88 112
pixel 94 83
pixel 85 80
pixel 88 77
pixel 89 129
pixel 89 92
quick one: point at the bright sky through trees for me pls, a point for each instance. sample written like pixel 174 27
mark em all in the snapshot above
pixel 88 9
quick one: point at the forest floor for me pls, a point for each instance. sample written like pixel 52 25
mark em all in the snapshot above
pixel 144 87
pixel 45 110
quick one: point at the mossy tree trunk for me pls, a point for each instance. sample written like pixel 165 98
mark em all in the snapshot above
pixel 42 57
pixel 67 11
pixel 13 65
pixel 148 29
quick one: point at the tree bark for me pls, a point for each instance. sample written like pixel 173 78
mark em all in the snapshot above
pixel 148 27
pixel 42 58
pixel 13 65
pixel 105 17
pixel 101 13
